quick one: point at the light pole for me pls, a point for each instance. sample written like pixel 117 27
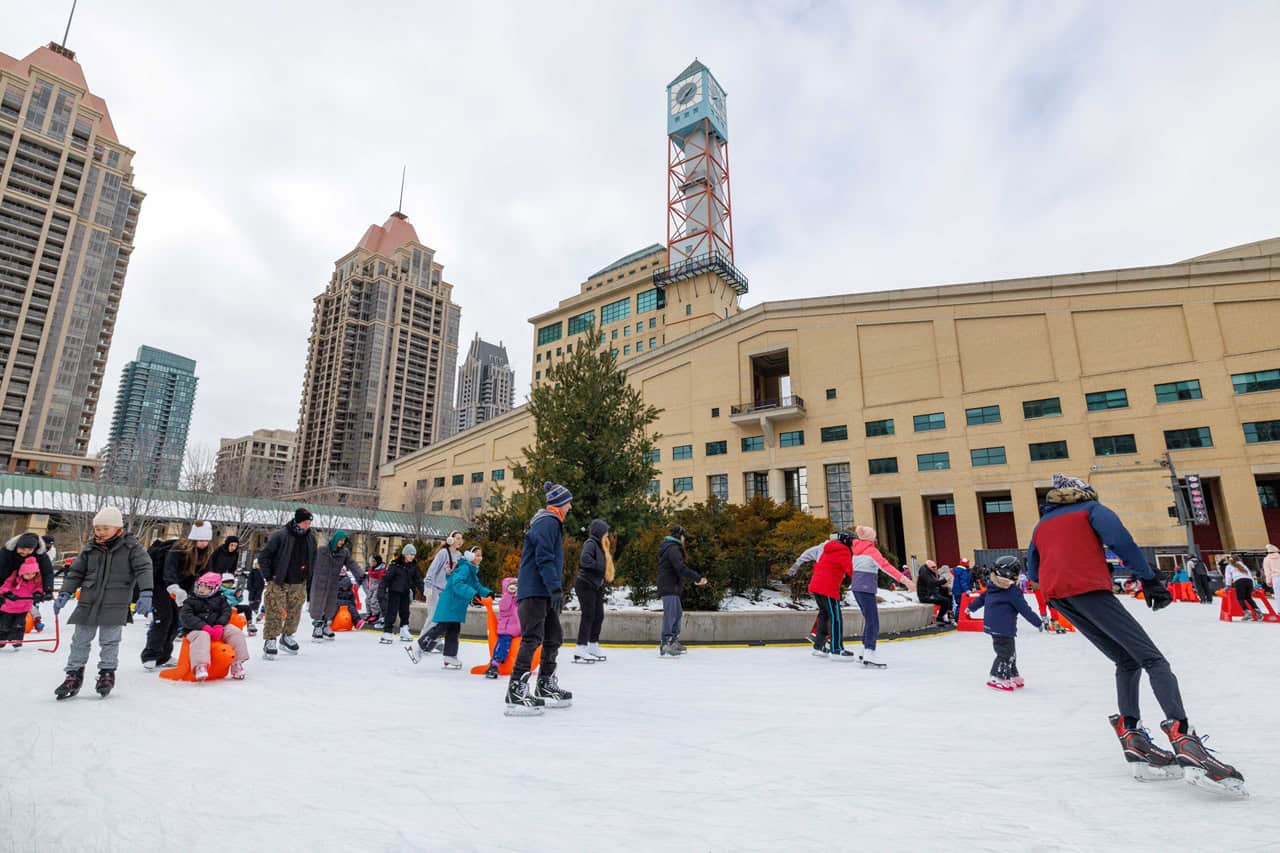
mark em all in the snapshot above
pixel 1185 516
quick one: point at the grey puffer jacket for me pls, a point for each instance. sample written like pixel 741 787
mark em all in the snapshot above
pixel 326 576
pixel 106 575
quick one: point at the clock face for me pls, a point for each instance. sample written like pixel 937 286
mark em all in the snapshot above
pixel 686 94
pixel 717 101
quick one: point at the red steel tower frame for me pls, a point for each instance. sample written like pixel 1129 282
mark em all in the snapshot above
pixel 698 195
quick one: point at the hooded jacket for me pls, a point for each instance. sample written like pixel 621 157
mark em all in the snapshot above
pixel 673 570
pixel 327 576
pixel 508 609
pixel 17 593
pixel 1271 568
pixel 199 610
pixel 106 574
pixel 274 559
pixel 10 560
pixel 401 577
pixel 542 560
pixel 833 566
pixel 1066 555
pixel 929 586
pixel 224 561
pixel 1003 607
pixel 441 567
pixel 868 562
pixel 591 563
pixel 462 586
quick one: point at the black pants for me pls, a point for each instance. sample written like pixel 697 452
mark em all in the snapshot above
pixel 539 626
pixel 1105 623
pixel 12 627
pixel 397 605
pixel 1006 663
pixel 163 629
pixel 1203 592
pixel 591 599
pixel 830 623
pixel 943 601
pixel 1244 595
pixel 450 630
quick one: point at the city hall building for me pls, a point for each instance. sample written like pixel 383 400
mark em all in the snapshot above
pixel 937 414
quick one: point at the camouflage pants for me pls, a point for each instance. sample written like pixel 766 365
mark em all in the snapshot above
pixel 283 604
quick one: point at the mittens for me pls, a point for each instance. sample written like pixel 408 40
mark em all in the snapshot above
pixel 61 602
pixel 214 632
pixel 143 607
pixel 179 594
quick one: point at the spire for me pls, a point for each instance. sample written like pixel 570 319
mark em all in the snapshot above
pixel 67 31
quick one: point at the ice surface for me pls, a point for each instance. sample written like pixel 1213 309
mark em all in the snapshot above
pixel 349 747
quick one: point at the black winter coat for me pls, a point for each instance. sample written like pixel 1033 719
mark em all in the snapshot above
pixel 274 559
pixel 672 569
pixel 401 576
pixel 197 612
pixel 224 562
pixel 591 563
pixel 929 585
pixel 10 561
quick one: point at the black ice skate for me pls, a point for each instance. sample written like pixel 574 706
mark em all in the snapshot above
pixel 269 650
pixel 71 685
pixel 289 644
pixel 1201 768
pixel 492 671
pixel 552 694
pixel 1148 762
pixel 667 650
pixel 328 633
pixel 106 681
pixel 317 632
pixel 520 701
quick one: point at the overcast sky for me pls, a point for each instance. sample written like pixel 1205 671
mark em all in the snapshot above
pixel 873 146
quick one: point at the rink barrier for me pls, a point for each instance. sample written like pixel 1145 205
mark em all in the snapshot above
pixel 1231 609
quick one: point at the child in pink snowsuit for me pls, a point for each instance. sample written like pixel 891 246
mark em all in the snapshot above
pixel 508 626
pixel 17 592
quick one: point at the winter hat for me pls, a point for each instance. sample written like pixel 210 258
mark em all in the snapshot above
pixel 1070 490
pixel 47 539
pixel 231 540
pixel 964 563
pixel 28 540
pixel 557 495
pixel 201 531
pixel 677 531
pixel 410 550
pixel 29 567
pixel 337 537
pixel 227 578
pixel 1062 481
pixel 301 514
pixel 213 580
pixel 108 516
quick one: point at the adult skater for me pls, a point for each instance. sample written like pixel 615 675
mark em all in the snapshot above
pixel 673 571
pixel 442 565
pixel 1066 557
pixel 286 562
pixel 334 567
pixel 868 562
pixel 182 563
pixel 1271 569
pixel 16 551
pixel 540 596
pixel 593 565
pixel 931 590
pixel 834 564
pixel 1239 578
pixel 1199 578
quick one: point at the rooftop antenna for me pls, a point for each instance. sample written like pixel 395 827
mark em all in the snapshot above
pixel 400 205
pixel 67 31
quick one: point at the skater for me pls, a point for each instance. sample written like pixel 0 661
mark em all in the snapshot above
pixel 673 570
pixel 205 617
pixel 595 565
pixel 961 582
pixel 399 582
pixel 334 569
pixel 460 590
pixel 540 595
pixel 226 557
pixel 833 566
pixel 232 596
pixel 438 572
pixel 15 553
pixel 16 596
pixel 930 590
pixel 1240 578
pixel 286 563
pixel 1003 602
pixel 105 572
pixel 182 562
pixel 372 593
pixel 808 557
pixel 1199 578
pixel 868 562
pixel 1066 557
pixel 508 626
pixel 1271 569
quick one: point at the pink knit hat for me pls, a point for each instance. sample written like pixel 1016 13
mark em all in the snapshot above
pixel 29 567
pixel 213 580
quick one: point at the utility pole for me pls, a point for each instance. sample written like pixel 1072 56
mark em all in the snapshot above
pixel 1185 516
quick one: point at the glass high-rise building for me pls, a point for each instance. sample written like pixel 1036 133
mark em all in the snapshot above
pixel 486 384
pixel 152 416
pixel 68 212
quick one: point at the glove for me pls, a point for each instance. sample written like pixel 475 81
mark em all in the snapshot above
pixel 179 594
pixel 557 601
pixel 143 607
pixel 37 597
pixel 8 596
pixel 61 602
pixel 1156 593
pixel 214 632
pixel 793 571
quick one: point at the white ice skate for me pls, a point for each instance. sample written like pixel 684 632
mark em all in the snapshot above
pixel 581 655
pixel 452 663
pixel 870 661
pixel 593 649
pixel 386 639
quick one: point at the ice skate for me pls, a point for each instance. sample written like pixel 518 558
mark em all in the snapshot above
pixel 201 672
pixel 328 633
pixel 843 656
pixel 269 650
pixel 386 639
pixel 552 694
pixel 819 653
pixel 492 671
pixel 426 644
pixel 237 671
pixel 1199 765
pixel 405 636
pixel 1002 684
pixel 870 661
pixel 1148 762
pixel 520 701
pixel 593 649
pixel 170 663
pixel 289 644
pixel 150 665
pixel 452 663
pixel 317 632
pixel 414 653
pixel 253 630
pixel 70 685
pixel 667 650
pixel 1017 681
pixel 678 646
pixel 581 655
pixel 106 681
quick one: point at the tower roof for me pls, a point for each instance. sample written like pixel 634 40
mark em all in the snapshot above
pixel 487 353
pixel 391 235
pixel 693 66
pixel 61 63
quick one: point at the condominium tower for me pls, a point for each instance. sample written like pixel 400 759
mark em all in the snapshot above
pixel 380 365
pixel 68 212
pixel 256 465
pixel 486 384
pixel 150 423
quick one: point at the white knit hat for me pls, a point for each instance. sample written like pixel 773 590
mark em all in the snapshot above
pixel 201 532
pixel 108 516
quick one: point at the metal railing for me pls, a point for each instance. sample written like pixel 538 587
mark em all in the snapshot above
pixel 792 402
pixel 716 262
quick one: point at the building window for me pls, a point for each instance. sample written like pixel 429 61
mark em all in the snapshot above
pixel 653 322
pixel 1269 495
pixel 615 311
pixel 538 358
pixel 477 476
pixel 457 479
pixel 437 506
pixel 835 433
pixel 718 487
pixel 1114 445
pixel 1172 392
pixel 875 428
pixel 688 309
pixel 1049 407
pixel 944 507
pixel 982 415
pixel 794 438
pixel 537 375
pixel 654 487
pixel 613 335
pixel 456 503
pixel 477 503
pixel 751 443
pixel 438 482
pixel 548 334
pixel 653 457
pixel 715 411
pixel 717 448
pixel 582 322
pixel 981 456
pixel 626 331
pixel 1257 432
pixel 639 346
pixel 1100 401
pixel 831 393
pixel 498 475
pixel 682 451
pixel 682 484
pixel 614 352
pixel 885 465
pixel 933 461
pixel 839 495
pixel 928 423
pixel 991 505
pixel 1180 439
pixel 757 484
pixel 653 342
pixel 559 352
pixel 626 349
pixel 1262 380
pixel 650 300
pixel 1042 451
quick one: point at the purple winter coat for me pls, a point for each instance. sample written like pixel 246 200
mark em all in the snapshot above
pixel 508 618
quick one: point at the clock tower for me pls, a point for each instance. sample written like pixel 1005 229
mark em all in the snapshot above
pixel 699 215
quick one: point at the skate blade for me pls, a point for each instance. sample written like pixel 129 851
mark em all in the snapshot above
pixel 874 665
pixel 1150 773
pixel 577 659
pixel 557 703
pixel 408 650
pixel 451 666
pixel 521 711
pixel 1229 787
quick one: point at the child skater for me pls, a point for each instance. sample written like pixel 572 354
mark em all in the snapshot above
pixel 508 626
pixel 17 593
pixel 232 596
pixel 460 589
pixel 1004 601
pixel 205 616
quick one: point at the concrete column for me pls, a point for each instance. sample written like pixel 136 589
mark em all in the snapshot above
pixel 968 523
pixel 914 528
pixel 1240 511
pixel 777 485
pixel 1026 511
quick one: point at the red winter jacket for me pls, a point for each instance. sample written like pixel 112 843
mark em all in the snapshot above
pixel 835 564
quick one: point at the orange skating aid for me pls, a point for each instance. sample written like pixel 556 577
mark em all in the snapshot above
pixel 221 656
pixel 504 668
pixel 341 620
pixel 965 621
pixel 1230 608
pixel 237 619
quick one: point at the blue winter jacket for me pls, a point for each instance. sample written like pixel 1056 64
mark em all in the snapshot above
pixel 462 586
pixel 961 581
pixel 542 561
pixel 1003 607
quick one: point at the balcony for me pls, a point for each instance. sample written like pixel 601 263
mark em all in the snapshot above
pixel 782 408
pixel 714 262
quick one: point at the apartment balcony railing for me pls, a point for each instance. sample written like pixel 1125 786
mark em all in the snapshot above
pixel 779 409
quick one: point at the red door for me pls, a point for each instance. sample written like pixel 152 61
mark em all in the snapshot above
pixel 1269 494
pixel 1208 536
pixel 1000 529
pixel 946 541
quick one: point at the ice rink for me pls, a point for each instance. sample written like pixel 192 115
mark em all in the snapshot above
pixel 350 747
